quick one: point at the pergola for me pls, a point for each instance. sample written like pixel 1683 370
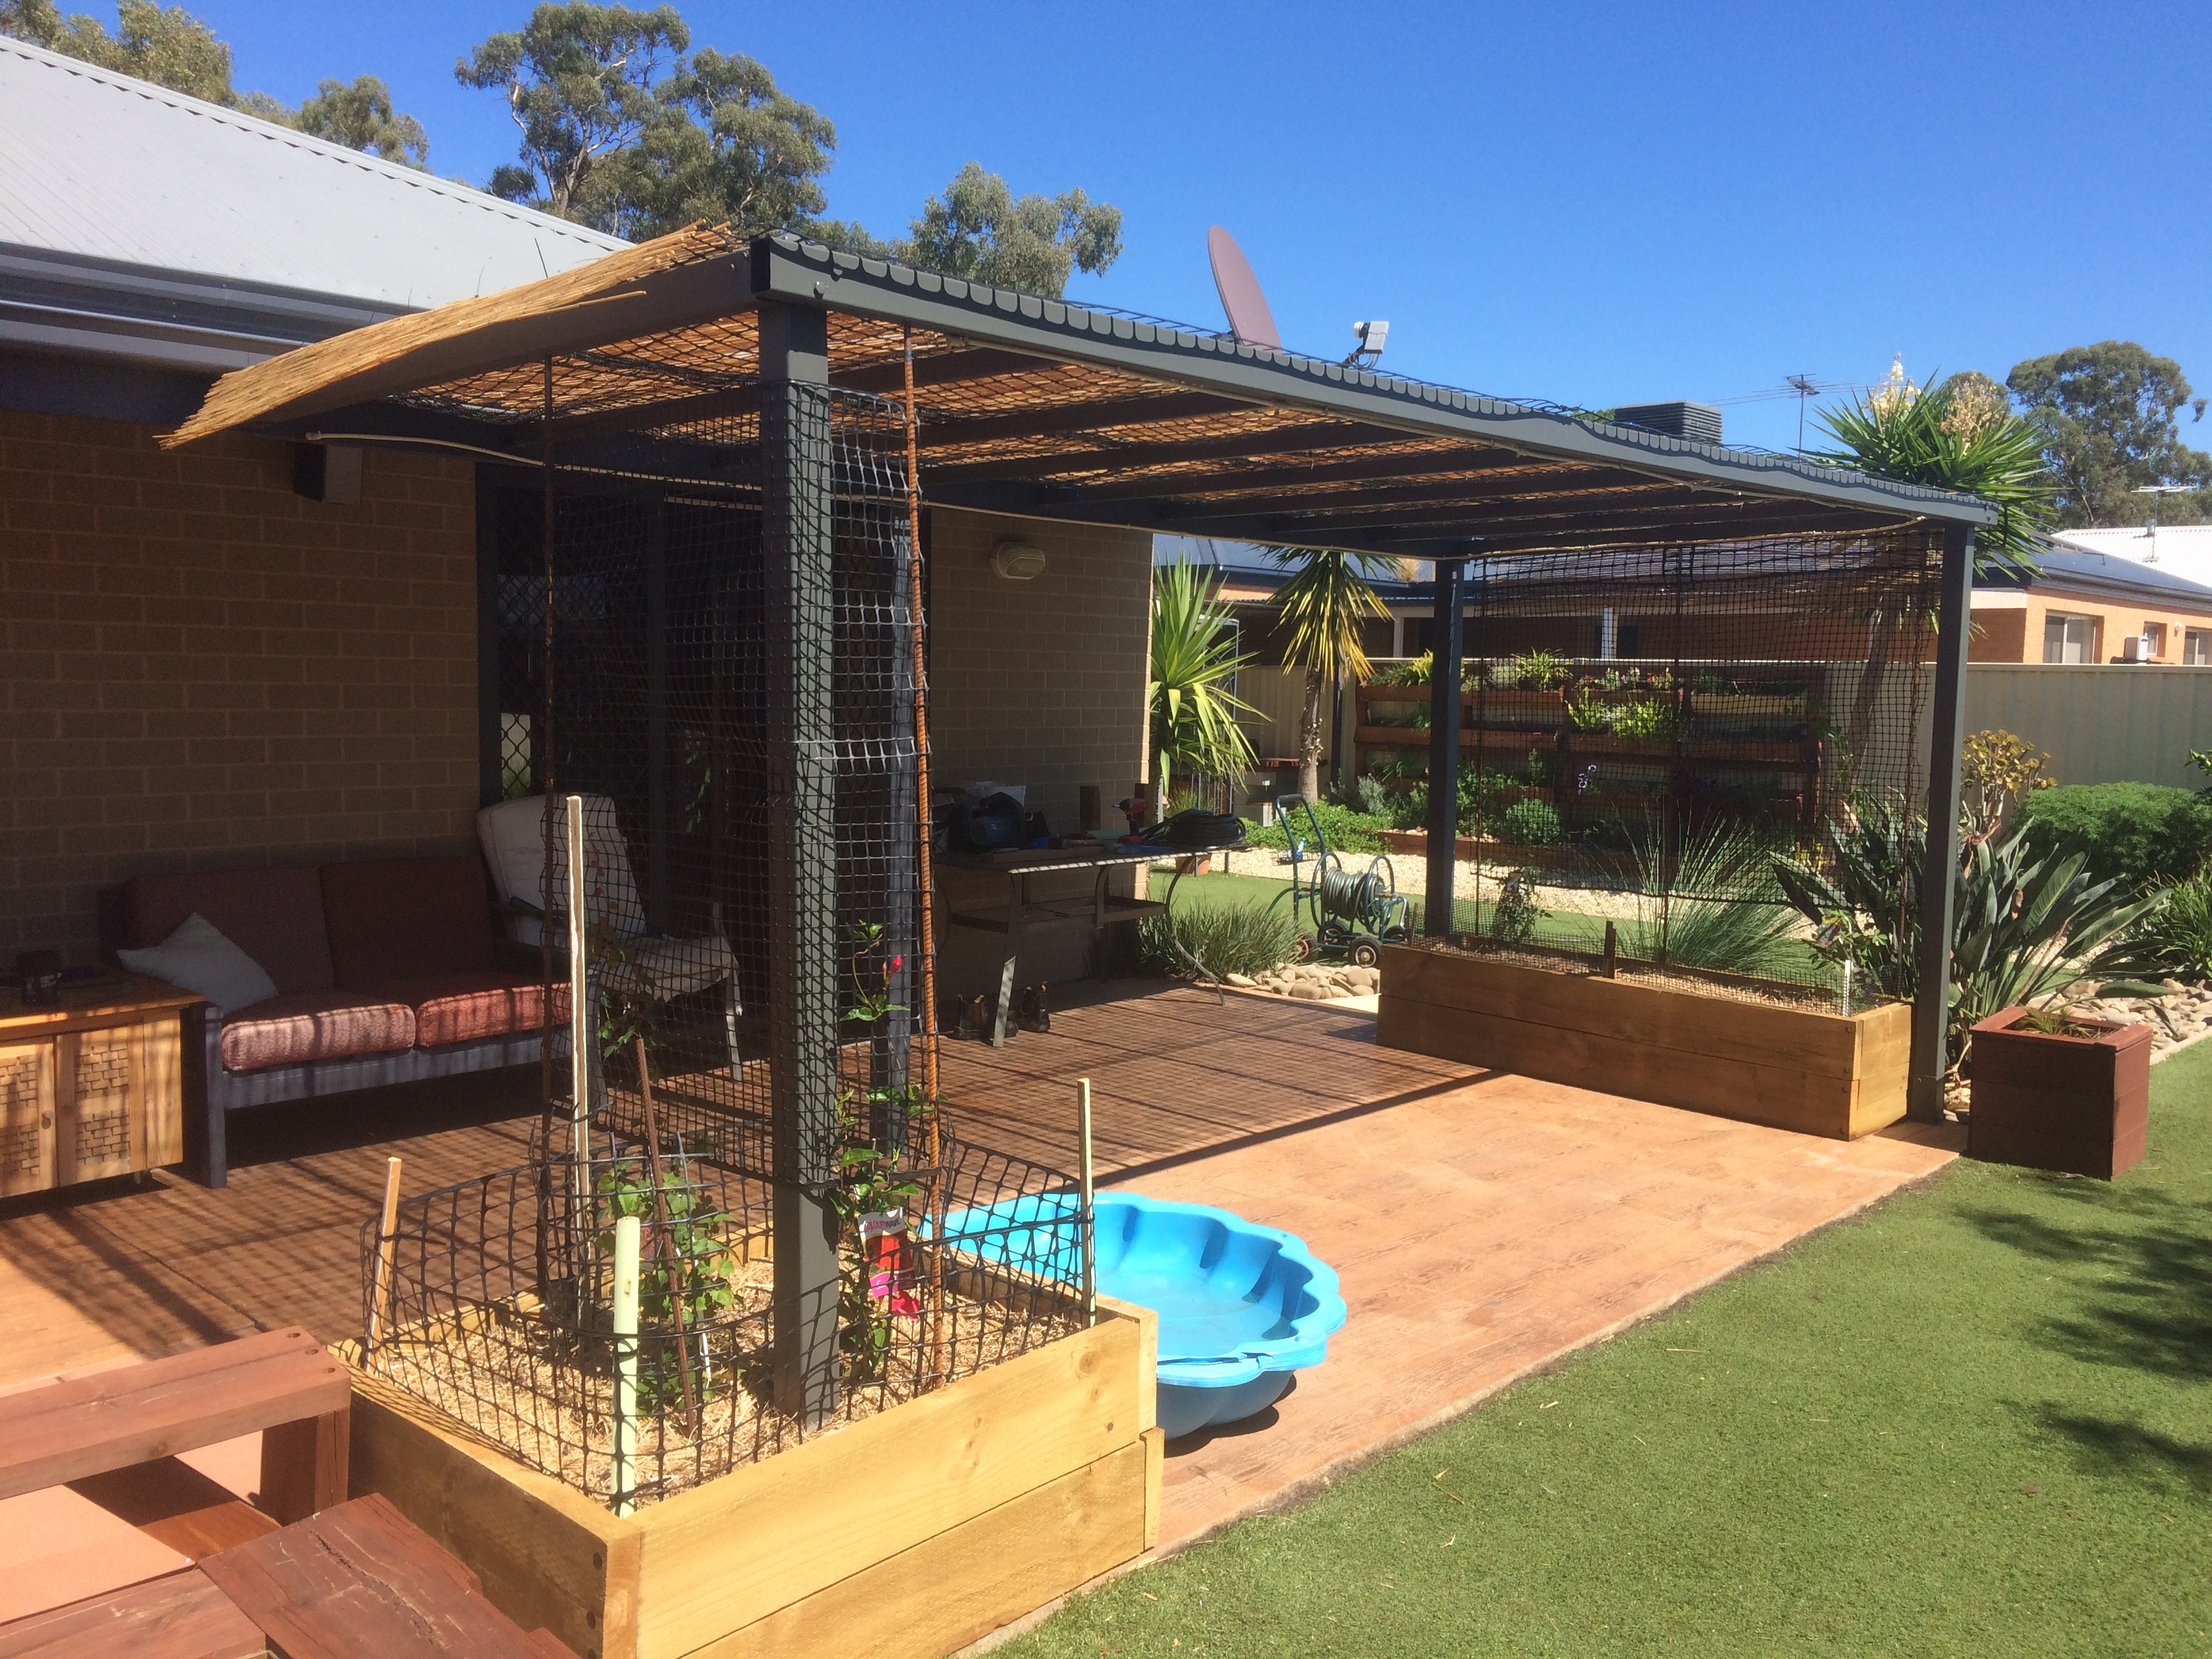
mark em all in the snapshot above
pixel 1049 409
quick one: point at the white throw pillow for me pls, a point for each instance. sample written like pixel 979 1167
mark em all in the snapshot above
pixel 199 958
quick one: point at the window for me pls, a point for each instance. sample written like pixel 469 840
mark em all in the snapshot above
pixel 2197 647
pixel 2154 644
pixel 2069 639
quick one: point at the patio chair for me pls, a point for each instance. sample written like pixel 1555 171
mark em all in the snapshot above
pixel 642 960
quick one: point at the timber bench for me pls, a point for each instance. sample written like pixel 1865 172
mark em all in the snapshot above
pixel 284 1383
pixel 356 1582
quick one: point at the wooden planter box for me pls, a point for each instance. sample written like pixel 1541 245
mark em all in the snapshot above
pixel 906 1535
pixel 2079 1104
pixel 1792 1068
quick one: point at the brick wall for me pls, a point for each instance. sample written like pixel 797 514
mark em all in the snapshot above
pixel 1041 683
pixel 199 668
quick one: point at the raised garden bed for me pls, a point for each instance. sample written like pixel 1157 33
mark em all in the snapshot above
pixel 987 1448
pixel 1710 1043
pixel 912 1532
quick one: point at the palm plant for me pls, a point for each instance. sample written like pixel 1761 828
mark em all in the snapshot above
pixel 1323 604
pixel 1962 435
pixel 1195 662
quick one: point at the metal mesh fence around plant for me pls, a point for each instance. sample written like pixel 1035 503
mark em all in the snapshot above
pixel 1648 732
pixel 497 1306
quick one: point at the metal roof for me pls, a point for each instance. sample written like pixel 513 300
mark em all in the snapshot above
pixel 2176 549
pixel 105 167
pixel 1040 408
pixel 149 240
pixel 2104 575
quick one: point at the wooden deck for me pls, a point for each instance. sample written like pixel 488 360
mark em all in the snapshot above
pixel 1483 1225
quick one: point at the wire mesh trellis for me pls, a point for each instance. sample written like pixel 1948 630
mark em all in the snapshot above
pixel 1646 731
pixel 715 661
pixel 499 1305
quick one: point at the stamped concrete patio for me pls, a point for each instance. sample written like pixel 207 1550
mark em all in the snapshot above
pixel 1483 1225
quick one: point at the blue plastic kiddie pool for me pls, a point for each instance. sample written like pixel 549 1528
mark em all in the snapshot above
pixel 1242 1307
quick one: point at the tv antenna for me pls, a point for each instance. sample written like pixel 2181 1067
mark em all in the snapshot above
pixel 1249 319
pixel 2151 530
pixel 1370 337
pixel 1805 387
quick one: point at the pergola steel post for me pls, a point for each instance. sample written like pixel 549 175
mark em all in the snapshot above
pixel 796 462
pixel 1924 1084
pixel 1449 648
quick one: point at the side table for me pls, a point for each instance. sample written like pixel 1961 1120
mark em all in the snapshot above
pixel 93 1085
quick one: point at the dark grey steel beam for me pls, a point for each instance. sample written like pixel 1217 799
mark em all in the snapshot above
pixel 1280 441
pixel 1447 647
pixel 1923 1097
pixel 1418 464
pixel 1416 542
pixel 1054 419
pixel 1495 486
pixel 802 817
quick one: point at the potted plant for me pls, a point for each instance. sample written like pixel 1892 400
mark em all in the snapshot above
pixel 2056 1090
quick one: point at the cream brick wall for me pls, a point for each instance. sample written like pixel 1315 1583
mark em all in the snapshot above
pixel 1041 683
pixel 199 668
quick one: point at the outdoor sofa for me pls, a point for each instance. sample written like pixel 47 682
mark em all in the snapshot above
pixel 384 972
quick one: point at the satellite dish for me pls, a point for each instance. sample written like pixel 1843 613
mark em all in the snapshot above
pixel 1249 319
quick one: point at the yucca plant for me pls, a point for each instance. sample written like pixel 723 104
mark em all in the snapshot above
pixel 1962 435
pixel 1323 605
pixel 2026 924
pixel 1195 662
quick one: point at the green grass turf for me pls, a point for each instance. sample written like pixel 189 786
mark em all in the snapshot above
pixel 1560 927
pixel 1975 1421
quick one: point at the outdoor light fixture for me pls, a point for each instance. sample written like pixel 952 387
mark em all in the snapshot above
pixel 1018 561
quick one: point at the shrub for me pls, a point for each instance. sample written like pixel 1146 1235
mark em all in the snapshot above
pixel 2141 834
pixel 2178 933
pixel 1229 938
pixel 1529 824
pixel 1347 831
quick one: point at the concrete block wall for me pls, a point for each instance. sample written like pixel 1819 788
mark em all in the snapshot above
pixel 201 669
pixel 1037 683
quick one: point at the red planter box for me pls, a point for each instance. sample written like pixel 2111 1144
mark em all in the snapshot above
pixel 2079 1104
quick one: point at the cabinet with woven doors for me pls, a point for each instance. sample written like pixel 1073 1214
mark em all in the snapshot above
pixel 93 1086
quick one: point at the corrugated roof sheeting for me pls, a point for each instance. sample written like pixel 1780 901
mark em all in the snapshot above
pixel 103 167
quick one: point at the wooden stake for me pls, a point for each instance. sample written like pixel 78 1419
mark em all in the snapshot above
pixel 1086 1211
pixel 387 1246
pixel 625 1336
pixel 671 1259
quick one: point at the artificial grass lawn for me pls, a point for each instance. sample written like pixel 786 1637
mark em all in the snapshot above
pixel 1977 1421
pixel 1217 889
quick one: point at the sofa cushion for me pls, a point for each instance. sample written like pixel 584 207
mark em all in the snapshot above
pixel 199 958
pixel 405 919
pixel 468 1006
pixel 300 1027
pixel 274 915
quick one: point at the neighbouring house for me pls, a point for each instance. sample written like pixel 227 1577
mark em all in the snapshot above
pixel 2092 607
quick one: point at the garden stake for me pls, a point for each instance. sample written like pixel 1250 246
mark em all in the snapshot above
pixel 1611 944
pixel 625 1338
pixel 1084 1215
pixel 924 869
pixel 387 1245
pixel 672 1262
pixel 580 1020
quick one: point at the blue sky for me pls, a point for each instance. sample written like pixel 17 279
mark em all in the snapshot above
pixel 1596 204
